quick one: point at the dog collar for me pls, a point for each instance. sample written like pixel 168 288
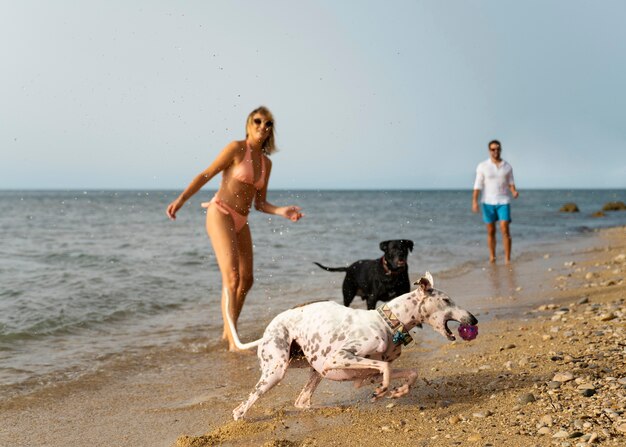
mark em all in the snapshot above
pixel 397 328
pixel 386 268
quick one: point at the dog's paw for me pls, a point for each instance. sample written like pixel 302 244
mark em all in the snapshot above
pixel 399 392
pixel 303 401
pixel 239 412
pixel 303 404
pixel 378 393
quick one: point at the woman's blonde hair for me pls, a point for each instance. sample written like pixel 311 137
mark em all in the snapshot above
pixel 269 146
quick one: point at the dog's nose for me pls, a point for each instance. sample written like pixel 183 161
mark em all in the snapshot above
pixel 472 320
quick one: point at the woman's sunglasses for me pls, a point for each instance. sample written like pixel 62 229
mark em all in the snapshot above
pixel 258 121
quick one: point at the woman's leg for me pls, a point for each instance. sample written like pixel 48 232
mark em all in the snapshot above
pixel 221 231
pixel 246 273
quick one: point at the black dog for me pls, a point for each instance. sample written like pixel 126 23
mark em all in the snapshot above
pixel 377 279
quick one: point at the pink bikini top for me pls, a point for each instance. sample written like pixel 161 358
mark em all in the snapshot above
pixel 244 171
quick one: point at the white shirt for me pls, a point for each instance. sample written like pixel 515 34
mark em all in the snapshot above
pixel 494 181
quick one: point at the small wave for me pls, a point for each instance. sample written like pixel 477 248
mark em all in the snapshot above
pixel 193 253
pixel 66 325
pixel 11 293
pixel 82 260
pixel 190 263
pixel 7 339
pixel 39 330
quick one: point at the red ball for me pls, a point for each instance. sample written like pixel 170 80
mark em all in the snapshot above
pixel 468 332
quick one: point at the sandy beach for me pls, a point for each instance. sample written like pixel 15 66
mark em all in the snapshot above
pixel 548 368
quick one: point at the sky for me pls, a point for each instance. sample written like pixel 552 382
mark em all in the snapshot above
pixel 365 94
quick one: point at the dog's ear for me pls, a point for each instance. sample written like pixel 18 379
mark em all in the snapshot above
pixel 383 245
pixel 426 283
pixel 408 244
pixel 429 277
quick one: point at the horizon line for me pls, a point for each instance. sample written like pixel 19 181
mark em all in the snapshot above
pixel 108 189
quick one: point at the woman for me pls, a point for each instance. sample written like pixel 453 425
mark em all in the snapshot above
pixel 246 171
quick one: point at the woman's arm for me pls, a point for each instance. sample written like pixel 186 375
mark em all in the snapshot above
pixel 223 160
pixel 291 212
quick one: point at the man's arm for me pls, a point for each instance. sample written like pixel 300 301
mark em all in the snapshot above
pixel 475 200
pixel 479 183
pixel 514 192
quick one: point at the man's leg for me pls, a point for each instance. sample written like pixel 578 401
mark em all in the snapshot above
pixel 491 241
pixel 506 240
pixel 490 217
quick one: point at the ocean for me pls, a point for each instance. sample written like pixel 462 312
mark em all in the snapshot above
pixel 89 277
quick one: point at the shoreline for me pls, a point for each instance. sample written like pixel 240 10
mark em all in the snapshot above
pixel 193 337
pixel 467 392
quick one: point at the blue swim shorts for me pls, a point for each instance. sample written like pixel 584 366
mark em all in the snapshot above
pixel 494 213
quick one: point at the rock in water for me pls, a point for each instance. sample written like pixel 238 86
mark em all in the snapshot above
pixel 569 208
pixel 614 206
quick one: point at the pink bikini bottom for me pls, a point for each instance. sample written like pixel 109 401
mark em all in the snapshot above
pixel 239 220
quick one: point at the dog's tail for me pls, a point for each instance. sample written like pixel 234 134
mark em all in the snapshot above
pixel 233 331
pixel 331 269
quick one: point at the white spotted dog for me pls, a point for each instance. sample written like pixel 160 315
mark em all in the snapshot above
pixel 341 343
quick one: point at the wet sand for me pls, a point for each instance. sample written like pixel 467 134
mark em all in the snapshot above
pixel 548 368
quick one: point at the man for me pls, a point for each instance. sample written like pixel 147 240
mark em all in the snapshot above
pixel 494 177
